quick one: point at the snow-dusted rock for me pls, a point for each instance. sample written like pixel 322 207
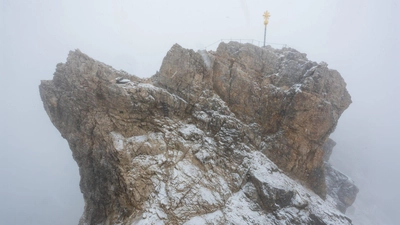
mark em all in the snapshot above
pixel 295 102
pixel 340 187
pixel 227 137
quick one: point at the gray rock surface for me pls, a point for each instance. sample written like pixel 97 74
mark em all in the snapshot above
pixel 340 187
pixel 194 143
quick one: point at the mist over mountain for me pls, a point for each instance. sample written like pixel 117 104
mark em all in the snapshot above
pixel 357 38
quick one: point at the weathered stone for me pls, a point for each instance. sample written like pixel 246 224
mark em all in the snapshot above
pixel 341 188
pixel 190 144
pixel 328 149
pixel 296 102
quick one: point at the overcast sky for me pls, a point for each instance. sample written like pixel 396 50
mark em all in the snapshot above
pixel 359 38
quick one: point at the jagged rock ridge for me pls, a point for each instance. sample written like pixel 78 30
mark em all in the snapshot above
pixel 192 144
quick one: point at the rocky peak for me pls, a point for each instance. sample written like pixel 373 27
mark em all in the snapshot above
pixel 234 136
pixel 295 102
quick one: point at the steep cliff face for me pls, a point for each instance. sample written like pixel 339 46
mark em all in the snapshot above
pixel 296 102
pixel 194 143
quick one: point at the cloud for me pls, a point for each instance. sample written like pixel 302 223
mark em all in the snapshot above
pixel 358 38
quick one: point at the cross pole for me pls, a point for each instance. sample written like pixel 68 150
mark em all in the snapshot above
pixel 266 20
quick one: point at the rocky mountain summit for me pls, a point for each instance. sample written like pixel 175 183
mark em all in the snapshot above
pixel 235 136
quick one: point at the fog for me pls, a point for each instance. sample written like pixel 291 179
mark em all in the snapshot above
pixel 359 38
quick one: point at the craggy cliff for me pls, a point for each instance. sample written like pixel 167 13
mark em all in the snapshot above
pixel 235 136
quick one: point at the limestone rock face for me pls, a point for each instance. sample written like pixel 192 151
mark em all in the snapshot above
pixel 212 138
pixel 295 102
pixel 341 188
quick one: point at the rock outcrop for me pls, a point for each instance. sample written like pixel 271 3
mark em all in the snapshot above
pixel 234 136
